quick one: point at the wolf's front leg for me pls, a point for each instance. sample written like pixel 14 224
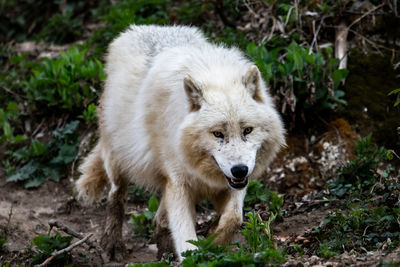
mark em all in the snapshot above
pixel 181 213
pixel 229 204
pixel 111 240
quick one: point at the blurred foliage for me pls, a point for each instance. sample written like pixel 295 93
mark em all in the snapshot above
pixel 54 21
pixel 397 93
pixel 142 223
pixel 69 82
pixel 47 244
pixel 301 79
pixel 39 162
pixel 258 249
pixel 257 193
pixel 370 219
pixel 359 175
pixel 362 229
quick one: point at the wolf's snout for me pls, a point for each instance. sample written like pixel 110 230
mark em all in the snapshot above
pixel 239 171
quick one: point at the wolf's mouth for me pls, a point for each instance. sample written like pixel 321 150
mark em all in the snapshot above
pixel 237 183
pixel 233 182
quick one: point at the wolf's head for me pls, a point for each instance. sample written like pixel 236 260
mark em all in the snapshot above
pixel 232 131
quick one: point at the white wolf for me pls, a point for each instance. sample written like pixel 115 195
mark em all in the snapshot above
pixel 188 118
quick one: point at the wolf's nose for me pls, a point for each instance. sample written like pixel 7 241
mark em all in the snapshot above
pixel 239 171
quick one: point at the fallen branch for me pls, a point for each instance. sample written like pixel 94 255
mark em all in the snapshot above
pixel 64 228
pixel 59 252
pixel 67 230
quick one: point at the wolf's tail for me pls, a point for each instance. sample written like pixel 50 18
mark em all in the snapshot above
pixel 93 180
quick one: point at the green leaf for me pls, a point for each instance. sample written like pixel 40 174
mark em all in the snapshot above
pixel 394 91
pixel 338 75
pixel 66 154
pixel 51 173
pixel 12 110
pixel 34 182
pixel 3 116
pixel 19 138
pixel 7 130
pixel 153 204
pixel 23 173
pixel 37 148
pixel 310 59
pixel 66 130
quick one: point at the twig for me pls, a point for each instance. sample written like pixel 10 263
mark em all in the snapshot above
pixel 59 252
pixel 66 229
pixel 394 153
pixel 316 35
pixel 13 93
pixel 366 14
pixel 374 44
pixel 38 128
pixel 10 213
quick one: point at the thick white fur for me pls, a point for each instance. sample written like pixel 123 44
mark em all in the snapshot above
pixel 145 116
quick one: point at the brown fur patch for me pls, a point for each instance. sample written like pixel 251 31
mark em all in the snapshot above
pixel 163 235
pixel 199 158
pixel 257 96
pixel 219 201
pixel 225 231
pixel 111 241
pixel 94 178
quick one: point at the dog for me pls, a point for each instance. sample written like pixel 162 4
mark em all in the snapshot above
pixel 185 117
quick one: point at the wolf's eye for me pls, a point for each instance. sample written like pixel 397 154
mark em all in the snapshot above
pixel 218 134
pixel 247 130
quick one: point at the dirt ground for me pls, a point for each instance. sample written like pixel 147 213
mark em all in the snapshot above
pixel 26 213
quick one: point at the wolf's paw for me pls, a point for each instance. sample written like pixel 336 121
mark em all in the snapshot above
pixel 165 244
pixel 114 249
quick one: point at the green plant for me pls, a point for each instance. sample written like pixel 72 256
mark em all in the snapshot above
pixel 138 194
pixel 257 193
pixel 70 82
pixel 127 12
pixel 150 264
pixel 298 248
pixel 3 240
pixel 359 175
pixel 325 251
pixel 257 232
pixel 362 229
pixel 303 80
pixel 40 162
pixel 259 250
pixel 6 116
pixel 142 224
pixel 62 28
pixel 397 92
pixel 47 244
pixel 89 115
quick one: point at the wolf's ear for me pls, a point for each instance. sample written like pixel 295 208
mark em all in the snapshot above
pixel 193 92
pixel 252 81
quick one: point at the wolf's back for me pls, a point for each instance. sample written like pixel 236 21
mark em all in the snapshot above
pixel 152 39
